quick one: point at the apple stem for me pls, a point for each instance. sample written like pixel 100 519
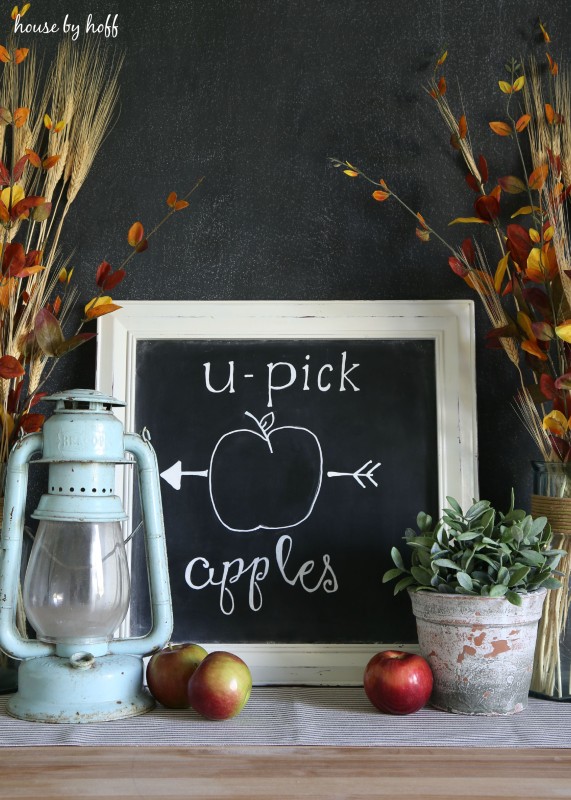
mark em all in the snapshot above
pixel 265 425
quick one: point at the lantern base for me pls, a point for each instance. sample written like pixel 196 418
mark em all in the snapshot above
pixel 80 689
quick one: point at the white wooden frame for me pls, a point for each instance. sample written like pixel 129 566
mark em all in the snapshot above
pixel 449 323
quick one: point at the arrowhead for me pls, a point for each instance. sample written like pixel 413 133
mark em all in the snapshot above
pixel 173 475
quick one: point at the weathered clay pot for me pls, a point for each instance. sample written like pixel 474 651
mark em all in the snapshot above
pixel 480 649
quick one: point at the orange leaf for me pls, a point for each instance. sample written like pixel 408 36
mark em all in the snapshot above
pixel 546 36
pixel 20 54
pixel 501 128
pixel 180 204
pixel 351 173
pixel 533 349
pixel 380 196
pixel 20 116
pixel 33 158
pixel 422 221
pixel 50 161
pixel 522 122
pixel 462 127
pixel 549 113
pixel 442 86
pixel 4 54
pixel 15 12
pixel 59 126
pixel 538 177
pixel 136 233
pixel 171 199
pixel 553 66
pixel 100 311
pixel 423 235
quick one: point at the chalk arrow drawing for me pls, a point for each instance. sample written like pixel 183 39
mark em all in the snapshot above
pixel 173 475
pixel 361 475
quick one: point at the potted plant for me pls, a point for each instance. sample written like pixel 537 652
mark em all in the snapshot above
pixel 477 582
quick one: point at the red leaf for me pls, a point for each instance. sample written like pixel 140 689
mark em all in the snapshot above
pixel 473 183
pixel 10 367
pixel 483 168
pixel 32 258
pixel 457 267
pixel 14 398
pixel 113 280
pixel 103 271
pixel 4 175
pixel 37 398
pixel 32 423
pixel 142 246
pixel 547 386
pixel 19 167
pixel 468 250
pixel 14 259
pixel 487 207
pixel 519 244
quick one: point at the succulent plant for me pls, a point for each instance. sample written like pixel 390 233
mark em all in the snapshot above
pixel 480 552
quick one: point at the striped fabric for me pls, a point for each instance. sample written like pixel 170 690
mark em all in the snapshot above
pixel 280 715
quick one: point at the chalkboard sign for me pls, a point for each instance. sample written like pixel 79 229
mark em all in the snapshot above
pixel 296 442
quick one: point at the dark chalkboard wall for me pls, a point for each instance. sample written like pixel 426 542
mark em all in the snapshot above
pixel 256 95
pixel 264 542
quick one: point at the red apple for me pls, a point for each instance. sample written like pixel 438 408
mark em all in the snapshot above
pixel 397 682
pixel 221 686
pixel 169 671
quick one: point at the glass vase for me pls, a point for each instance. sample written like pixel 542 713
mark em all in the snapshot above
pixel 551 498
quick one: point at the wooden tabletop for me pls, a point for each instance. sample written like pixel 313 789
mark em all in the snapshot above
pixel 283 773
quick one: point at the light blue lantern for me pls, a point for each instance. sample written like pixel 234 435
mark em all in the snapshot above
pixel 77 585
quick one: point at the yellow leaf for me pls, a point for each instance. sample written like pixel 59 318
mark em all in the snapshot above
pixel 546 36
pixel 48 122
pixel 7 423
pixel 351 173
pixel 519 83
pixel 62 275
pixel 97 301
pixel 564 330
pixel 525 210
pixel 14 13
pixel 59 126
pixel 501 128
pixel 505 87
pixel 548 234
pixel 467 219
pixel 524 323
pixel 442 58
pixel 12 196
pixel 536 266
pixel 500 272
pixel 534 235
pixel 555 422
pixel 423 235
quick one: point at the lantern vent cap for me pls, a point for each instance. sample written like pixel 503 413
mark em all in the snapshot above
pixel 83 400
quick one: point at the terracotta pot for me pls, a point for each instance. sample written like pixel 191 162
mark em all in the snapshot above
pixel 480 649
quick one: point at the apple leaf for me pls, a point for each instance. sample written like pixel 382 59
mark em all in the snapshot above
pixel 512 184
pixel 48 332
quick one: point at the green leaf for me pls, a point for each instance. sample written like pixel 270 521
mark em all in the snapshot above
pixel 455 505
pixel 499 590
pixel 404 584
pixel 518 575
pixel 538 525
pixel 514 598
pixel 421 575
pixel 533 557
pixel 397 559
pixel 391 574
pixel 445 562
pixel 423 521
pixel 477 509
pixel 551 583
pixel 465 581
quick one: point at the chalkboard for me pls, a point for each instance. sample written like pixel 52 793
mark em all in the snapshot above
pixel 296 442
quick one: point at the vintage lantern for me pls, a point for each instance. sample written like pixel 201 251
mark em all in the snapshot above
pixel 77 585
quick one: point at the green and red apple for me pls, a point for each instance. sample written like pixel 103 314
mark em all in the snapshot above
pixel 169 671
pixel 220 686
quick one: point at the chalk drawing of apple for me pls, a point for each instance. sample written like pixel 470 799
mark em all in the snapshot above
pixel 264 477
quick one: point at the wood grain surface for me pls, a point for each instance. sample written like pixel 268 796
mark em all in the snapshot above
pixel 281 773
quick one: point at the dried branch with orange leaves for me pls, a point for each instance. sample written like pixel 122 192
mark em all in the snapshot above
pixel 525 284
pixel 50 132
